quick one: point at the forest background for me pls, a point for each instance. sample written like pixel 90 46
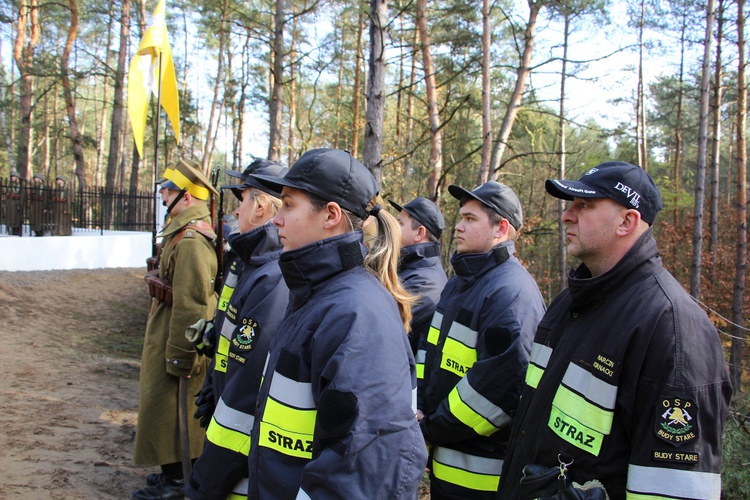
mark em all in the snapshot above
pixel 427 94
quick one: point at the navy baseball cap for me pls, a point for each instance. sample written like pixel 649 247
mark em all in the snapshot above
pixel 425 212
pixel 259 166
pixel 498 197
pixel 629 185
pixel 331 175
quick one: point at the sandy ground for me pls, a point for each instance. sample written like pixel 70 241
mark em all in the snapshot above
pixel 71 343
pixel 70 351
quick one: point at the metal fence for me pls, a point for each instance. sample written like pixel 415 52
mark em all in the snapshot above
pixel 44 209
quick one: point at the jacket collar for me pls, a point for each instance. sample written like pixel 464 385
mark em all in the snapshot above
pixel 471 266
pixel 257 246
pixel 640 261
pixel 419 255
pixel 194 213
pixel 308 268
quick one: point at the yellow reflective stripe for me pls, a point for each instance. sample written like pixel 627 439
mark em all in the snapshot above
pixel 638 496
pixel 433 335
pixel 420 371
pixel 222 352
pixel 533 375
pixel 582 410
pixel 467 471
pixel 468 416
pixel 457 358
pixel 228 438
pixel 290 419
pixel 574 432
pixel 666 483
pixel 226 295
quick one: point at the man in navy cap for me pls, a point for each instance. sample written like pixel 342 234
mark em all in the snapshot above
pixel 627 388
pixel 477 347
pixel 419 268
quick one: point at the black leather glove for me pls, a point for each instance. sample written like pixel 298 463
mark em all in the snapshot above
pixel 205 402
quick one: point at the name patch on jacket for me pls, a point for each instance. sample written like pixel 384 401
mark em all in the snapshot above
pixel 607 367
pixel 246 335
pixel 673 456
pixel 676 421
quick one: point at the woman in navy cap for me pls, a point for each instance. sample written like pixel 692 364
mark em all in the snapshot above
pixel 336 415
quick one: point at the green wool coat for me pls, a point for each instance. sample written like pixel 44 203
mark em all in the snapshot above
pixel 190 266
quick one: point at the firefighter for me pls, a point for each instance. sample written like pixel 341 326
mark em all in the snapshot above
pixel 627 388
pixel 183 294
pixel 335 416
pixel 253 314
pixel 477 346
pixel 420 269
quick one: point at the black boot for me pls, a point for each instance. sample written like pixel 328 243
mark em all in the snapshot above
pixel 166 489
pixel 155 478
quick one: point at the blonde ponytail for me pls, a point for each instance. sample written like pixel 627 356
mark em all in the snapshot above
pixel 382 259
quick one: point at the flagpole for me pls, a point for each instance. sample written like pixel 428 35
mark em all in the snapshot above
pixel 156 153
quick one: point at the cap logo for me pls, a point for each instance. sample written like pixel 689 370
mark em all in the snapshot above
pixel 631 194
pixel 573 189
pixel 592 171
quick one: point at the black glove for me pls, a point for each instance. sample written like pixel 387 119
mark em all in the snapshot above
pixel 205 402
pixel 202 335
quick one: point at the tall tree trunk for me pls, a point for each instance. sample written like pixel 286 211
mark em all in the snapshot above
pixel 716 145
pixel 105 95
pixel 275 104
pixel 486 88
pixel 640 126
pixel 514 104
pixel 23 54
pixel 700 174
pixel 561 231
pixel 210 135
pixel 677 165
pixel 433 114
pixel 354 148
pixel 292 152
pixel 118 104
pixel 738 334
pixel 244 84
pixel 70 104
pixel 47 126
pixel 375 108
pixel 410 114
pixel 339 83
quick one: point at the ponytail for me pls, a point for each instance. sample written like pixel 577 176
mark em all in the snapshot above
pixel 382 259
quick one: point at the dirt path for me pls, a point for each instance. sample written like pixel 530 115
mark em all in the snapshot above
pixel 70 352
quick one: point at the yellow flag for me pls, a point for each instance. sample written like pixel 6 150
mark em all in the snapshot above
pixel 143 78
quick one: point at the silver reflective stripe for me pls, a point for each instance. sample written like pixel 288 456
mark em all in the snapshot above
pixel 463 334
pixel 673 483
pixel 471 463
pixel 590 387
pixel 241 487
pixel 233 419
pixel 540 355
pixel 291 393
pixel 421 355
pixel 231 280
pixel 437 320
pixel 414 400
pixel 481 405
pixel 301 495
pixel 227 329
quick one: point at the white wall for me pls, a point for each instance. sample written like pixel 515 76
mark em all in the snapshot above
pixel 83 250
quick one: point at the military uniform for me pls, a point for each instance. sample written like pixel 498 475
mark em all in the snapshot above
pixel 38 209
pixel 190 266
pixel 183 294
